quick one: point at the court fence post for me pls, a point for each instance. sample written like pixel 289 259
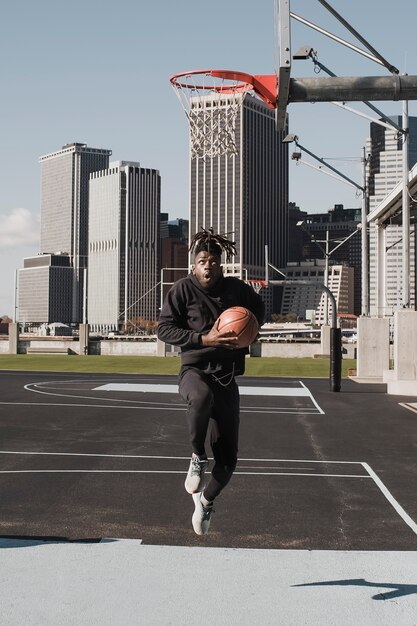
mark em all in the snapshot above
pixel 335 359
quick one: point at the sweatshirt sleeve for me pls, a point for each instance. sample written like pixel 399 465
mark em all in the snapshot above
pixel 172 325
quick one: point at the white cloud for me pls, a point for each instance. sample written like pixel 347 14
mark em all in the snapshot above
pixel 19 228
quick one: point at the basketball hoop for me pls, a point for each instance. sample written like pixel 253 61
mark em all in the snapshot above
pixel 211 100
pixel 257 285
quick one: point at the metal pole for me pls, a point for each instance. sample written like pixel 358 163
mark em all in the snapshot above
pixel 343 42
pixel 365 241
pixel 335 358
pixel 15 297
pixel 266 265
pixel 326 281
pixel 162 289
pixel 406 212
pixel 387 121
pixel 359 37
pixel 85 296
pixel 323 162
pixel 335 374
pixel 353 89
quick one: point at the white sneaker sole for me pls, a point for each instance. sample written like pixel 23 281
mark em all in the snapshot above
pixel 200 527
pixel 194 484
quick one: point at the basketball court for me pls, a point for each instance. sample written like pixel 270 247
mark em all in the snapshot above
pixel 321 506
pixel 318 525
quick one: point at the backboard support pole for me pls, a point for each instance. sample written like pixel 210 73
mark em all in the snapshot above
pixel 284 72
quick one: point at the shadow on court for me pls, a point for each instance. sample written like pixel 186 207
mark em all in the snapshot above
pixel 398 590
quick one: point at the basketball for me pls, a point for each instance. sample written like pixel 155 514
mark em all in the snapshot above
pixel 242 322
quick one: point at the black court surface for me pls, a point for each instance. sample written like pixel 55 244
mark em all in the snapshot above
pixel 91 456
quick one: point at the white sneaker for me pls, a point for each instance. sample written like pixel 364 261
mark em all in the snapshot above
pixel 195 475
pixel 201 516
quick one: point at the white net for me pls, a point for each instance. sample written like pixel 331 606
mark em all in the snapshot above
pixel 211 106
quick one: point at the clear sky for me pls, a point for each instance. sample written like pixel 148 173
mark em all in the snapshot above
pixel 97 72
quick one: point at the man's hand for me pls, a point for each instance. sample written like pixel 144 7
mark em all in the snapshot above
pixel 226 339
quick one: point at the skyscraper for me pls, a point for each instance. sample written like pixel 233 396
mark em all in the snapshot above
pixel 245 194
pixel 384 172
pixel 45 289
pixel 64 208
pixel 124 226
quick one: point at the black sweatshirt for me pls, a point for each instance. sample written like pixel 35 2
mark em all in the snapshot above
pixel 190 310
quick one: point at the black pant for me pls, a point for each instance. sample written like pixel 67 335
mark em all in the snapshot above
pixel 216 404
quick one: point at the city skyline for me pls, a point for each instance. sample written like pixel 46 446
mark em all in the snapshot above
pixel 65 92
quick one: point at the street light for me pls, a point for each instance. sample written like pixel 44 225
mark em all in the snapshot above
pixel 327 254
pixel 292 138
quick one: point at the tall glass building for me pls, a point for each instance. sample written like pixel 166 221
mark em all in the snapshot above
pixel 64 209
pixel 245 195
pixel 124 247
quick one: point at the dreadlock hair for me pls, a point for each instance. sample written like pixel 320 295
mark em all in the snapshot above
pixel 206 241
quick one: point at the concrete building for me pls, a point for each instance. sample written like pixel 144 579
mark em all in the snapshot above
pixel 64 209
pixel 45 289
pixel 339 223
pixel 299 299
pixel 384 172
pixel 174 252
pixel 124 247
pixel 246 194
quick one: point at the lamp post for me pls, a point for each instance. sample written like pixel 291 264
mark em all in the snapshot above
pixel 327 252
pixel 292 138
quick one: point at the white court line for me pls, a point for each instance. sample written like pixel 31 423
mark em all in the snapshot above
pixel 82 454
pixel 102 471
pixel 312 398
pixel 180 458
pixel 139 404
pixel 370 473
pixel 302 391
pixel 411 406
pixel 397 506
pixel 132 407
pixel 28 387
pixel 243 390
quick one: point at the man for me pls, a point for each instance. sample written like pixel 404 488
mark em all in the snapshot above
pixel 210 361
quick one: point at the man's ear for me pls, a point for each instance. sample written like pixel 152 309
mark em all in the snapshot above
pixel 193 269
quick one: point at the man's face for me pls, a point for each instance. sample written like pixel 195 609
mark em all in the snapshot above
pixel 207 269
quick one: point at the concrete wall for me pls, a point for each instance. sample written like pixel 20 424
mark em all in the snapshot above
pixel 4 346
pixel 373 347
pixel 402 380
pixel 150 348
pixel 125 348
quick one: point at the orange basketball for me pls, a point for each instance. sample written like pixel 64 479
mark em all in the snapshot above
pixel 242 322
